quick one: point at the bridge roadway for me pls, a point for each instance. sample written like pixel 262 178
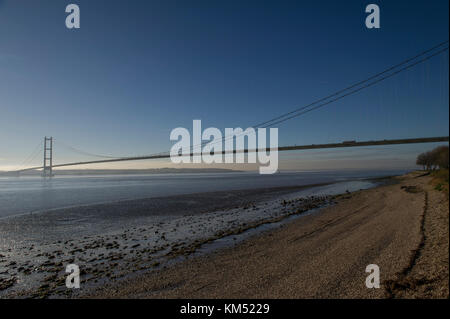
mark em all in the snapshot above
pixel 280 149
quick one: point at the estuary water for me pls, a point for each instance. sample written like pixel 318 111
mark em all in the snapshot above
pixel 115 226
pixel 21 195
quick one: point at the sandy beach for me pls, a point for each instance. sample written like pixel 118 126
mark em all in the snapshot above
pixel 402 228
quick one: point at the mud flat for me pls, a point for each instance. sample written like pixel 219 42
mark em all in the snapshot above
pixel 116 241
pixel 403 228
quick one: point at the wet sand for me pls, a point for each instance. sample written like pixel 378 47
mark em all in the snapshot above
pixel 402 228
pixel 113 241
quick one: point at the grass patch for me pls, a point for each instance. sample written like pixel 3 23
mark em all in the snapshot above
pixel 440 180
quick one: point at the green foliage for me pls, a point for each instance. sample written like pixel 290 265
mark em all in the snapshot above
pixel 442 174
pixel 440 179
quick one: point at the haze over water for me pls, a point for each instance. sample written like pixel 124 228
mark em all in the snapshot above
pixel 34 194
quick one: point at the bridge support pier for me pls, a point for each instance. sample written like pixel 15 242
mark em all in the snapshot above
pixel 48 157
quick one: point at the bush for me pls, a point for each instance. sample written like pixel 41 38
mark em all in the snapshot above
pixel 440 180
pixel 437 158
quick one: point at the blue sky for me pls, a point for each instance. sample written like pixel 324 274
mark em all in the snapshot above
pixel 138 69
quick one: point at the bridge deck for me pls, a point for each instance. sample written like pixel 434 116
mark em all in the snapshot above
pixel 280 149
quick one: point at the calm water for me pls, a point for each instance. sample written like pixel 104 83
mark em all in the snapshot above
pixel 29 240
pixel 31 194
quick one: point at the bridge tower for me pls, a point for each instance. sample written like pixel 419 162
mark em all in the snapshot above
pixel 48 157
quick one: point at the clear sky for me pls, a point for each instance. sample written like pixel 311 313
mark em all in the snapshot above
pixel 138 69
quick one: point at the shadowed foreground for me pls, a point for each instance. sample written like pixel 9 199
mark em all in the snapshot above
pixel 402 228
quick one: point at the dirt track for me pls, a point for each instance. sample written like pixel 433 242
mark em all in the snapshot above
pixel 324 255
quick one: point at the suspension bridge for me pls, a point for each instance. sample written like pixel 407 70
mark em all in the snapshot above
pixel 48 160
pixel 48 150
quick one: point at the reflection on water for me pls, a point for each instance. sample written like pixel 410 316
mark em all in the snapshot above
pixel 110 240
pixel 30 194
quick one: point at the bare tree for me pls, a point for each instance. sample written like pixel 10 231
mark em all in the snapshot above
pixel 437 158
pixel 421 160
pixel 441 156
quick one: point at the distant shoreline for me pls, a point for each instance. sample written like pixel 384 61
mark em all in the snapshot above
pixel 167 170
pixel 91 172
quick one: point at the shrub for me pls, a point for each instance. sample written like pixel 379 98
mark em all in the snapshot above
pixel 437 158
